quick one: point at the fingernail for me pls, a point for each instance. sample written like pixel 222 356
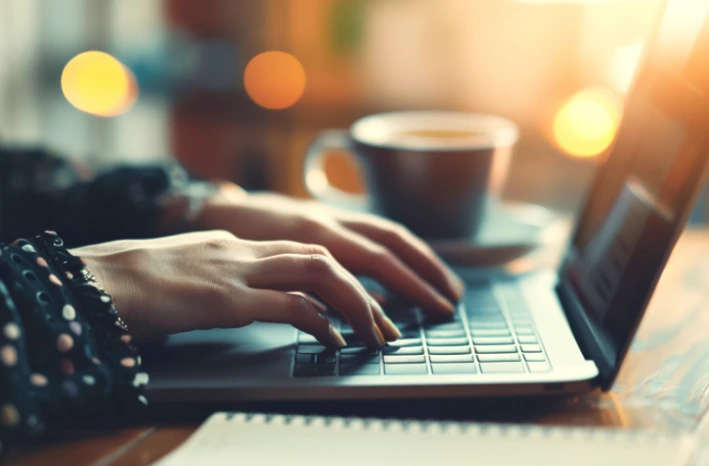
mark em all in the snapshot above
pixel 378 335
pixel 392 328
pixel 457 285
pixel 391 331
pixel 337 337
pixel 447 305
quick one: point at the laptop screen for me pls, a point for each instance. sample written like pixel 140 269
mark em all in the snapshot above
pixel 643 192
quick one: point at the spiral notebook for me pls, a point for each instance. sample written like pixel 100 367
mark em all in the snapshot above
pixel 264 439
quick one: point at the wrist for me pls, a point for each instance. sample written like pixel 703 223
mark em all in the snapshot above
pixel 106 271
pixel 186 210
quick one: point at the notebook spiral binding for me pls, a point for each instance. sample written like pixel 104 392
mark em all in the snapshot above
pixel 461 428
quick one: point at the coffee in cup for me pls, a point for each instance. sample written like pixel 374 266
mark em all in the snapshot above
pixel 434 172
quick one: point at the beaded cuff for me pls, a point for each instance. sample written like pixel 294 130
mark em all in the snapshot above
pixel 64 351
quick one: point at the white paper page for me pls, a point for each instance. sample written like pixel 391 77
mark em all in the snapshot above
pixel 289 440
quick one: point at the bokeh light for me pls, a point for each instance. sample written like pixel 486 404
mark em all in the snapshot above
pixel 96 83
pixel 274 80
pixel 586 124
pixel 624 65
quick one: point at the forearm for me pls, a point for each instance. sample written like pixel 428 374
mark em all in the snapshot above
pixel 39 191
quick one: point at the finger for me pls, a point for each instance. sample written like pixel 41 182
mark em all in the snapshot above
pixel 386 327
pixel 379 298
pixel 362 256
pixel 319 274
pixel 296 310
pixel 317 304
pixel 383 324
pixel 273 248
pixel 412 251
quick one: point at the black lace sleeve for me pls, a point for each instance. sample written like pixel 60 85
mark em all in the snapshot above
pixel 39 191
pixel 64 351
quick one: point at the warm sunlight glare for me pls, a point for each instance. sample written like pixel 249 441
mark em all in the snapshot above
pixel 623 66
pixel 274 80
pixel 585 125
pixel 96 83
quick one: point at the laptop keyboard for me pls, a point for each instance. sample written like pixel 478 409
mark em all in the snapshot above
pixel 486 335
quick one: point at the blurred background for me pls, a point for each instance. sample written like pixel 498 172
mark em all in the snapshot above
pixel 199 80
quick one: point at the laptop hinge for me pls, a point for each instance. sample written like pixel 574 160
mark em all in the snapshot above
pixel 593 343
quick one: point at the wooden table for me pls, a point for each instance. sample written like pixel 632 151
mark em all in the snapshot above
pixel 663 385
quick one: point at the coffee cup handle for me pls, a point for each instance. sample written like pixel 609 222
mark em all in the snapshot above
pixel 315 177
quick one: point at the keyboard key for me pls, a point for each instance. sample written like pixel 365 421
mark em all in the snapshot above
pixel 522 322
pixel 325 358
pixel 538 367
pixel 442 326
pixel 489 332
pixel 475 300
pixel 534 357
pixel 357 369
pixel 504 357
pixel 481 317
pixel 406 350
pixel 359 359
pixel 353 341
pixel 405 342
pixel 362 350
pixel 410 334
pixel 479 298
pixel 449 350
pixel 491 308
pixel 531 348
pixel 313 370
pixel 482 308
pixel 303 358
pixel 446 341
pixel 448 358
pixel 404 319
pixel 445 333
pixel 486 318
pixel 494 324
pixel 403 359
pixel 455 368
pixel 406 369
pixel 305 339
pixel 492 349
pixel 408 324
pixel 501 367
pixel 493 340
pixel 311 349
pixel 524 330
pixel 529 339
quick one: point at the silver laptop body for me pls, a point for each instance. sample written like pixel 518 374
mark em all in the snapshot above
pixel 547 332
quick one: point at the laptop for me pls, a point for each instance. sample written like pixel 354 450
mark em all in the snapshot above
pixel 559 331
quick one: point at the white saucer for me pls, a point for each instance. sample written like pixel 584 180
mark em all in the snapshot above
pixel 509 230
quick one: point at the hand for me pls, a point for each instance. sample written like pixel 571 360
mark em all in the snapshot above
pixel 364 244
pixel 214 280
